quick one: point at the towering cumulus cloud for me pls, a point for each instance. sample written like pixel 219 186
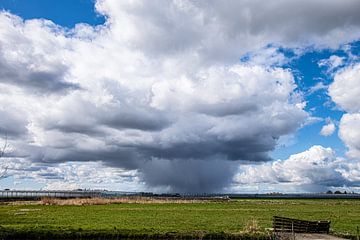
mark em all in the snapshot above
pixel 159 88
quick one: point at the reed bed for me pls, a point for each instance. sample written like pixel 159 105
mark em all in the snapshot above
pixel 120 200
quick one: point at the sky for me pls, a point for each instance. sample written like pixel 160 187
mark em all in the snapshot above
pixel 180 96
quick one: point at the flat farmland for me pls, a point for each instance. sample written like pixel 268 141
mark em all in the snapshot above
pixel 181 219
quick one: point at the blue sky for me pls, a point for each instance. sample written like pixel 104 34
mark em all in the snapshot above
pixel 66 13
pixel 170 96
pixel 308 72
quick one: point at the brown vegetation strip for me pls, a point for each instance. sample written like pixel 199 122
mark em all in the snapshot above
pixel 104 201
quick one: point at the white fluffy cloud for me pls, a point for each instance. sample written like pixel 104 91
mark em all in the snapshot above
pixel 332 63
pixel 214 31
pixel 315 169
pixel 328 129
pixel 32 55
pixel 345 92
pixel 160 86
pixel 349 132
pixel 72 175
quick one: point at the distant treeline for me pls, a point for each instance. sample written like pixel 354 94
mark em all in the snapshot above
pixel 36 195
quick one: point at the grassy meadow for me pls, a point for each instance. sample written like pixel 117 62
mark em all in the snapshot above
pixel 188 218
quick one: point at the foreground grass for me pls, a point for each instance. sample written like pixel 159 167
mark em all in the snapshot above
pixel 178 219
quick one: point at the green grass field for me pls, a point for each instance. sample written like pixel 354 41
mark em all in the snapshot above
pixel 180 218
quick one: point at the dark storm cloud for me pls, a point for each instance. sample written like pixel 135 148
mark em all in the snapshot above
pixel 251 149
pixel 12 124
pixel 95 119
pixel 135 118
pixel 90 130
pixel 20 75
pixel 49 81
pixel 123 157
pixel 189 176
pixel 229 108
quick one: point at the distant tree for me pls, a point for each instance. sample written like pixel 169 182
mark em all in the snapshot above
pixel 2 154
pixel 338 192
pixel 329 192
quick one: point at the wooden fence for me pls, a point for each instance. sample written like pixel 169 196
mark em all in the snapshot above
pixel 282 224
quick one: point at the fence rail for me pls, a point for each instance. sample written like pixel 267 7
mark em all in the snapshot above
pixel 282 224
pixel 11 194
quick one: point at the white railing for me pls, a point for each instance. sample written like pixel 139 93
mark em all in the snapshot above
pixel 40 194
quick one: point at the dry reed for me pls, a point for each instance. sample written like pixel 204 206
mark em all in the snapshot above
pixel 252 226
pixel 104 201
